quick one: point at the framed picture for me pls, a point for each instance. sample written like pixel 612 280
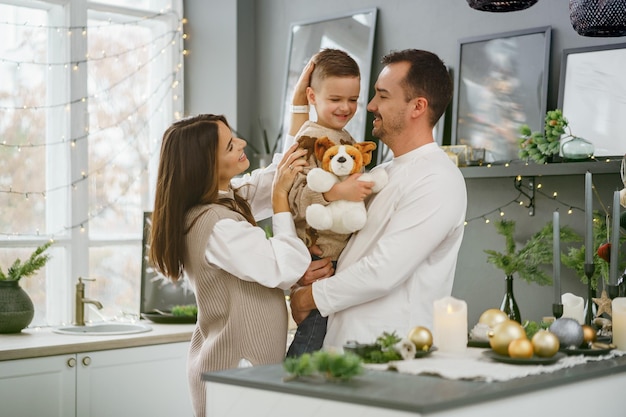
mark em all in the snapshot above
pixel 352 32
pixel 592 95
pixel 159 293
pixel 501 84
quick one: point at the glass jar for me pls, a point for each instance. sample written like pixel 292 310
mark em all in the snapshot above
pixel 577 149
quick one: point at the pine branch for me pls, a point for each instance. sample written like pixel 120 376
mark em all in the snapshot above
pixel 35 262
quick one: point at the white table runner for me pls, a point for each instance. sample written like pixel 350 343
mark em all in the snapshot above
pixel 473 365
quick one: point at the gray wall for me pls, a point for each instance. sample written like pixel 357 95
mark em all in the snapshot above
pixel 215 81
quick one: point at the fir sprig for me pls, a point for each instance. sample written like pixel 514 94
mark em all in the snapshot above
pixel 575 257
pixel 331 365
pixel 536 252
pixel 21 269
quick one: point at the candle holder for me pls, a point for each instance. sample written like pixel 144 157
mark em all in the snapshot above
pixel 613 291
pixel 557 310
pixel 590 268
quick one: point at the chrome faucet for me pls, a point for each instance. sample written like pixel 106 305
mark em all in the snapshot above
pixel 81 301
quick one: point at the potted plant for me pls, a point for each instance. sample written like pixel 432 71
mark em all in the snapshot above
pixel 16 307
pixel 526 261
pixel 542 147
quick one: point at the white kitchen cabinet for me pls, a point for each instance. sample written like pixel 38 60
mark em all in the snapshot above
pixel 138 381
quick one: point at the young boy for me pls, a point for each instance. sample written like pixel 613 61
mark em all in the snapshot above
pixel 333 91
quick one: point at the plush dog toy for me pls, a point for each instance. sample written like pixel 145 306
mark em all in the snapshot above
pixel 339 162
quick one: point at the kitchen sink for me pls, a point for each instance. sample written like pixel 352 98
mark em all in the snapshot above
pixel 104 329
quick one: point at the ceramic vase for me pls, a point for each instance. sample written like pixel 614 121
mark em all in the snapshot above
pixel 16 307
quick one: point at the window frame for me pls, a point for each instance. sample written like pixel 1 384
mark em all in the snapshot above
pixel 68 209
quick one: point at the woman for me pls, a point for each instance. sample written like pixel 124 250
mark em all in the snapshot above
pixel 203 228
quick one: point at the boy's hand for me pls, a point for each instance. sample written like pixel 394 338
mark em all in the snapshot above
pixel 350 189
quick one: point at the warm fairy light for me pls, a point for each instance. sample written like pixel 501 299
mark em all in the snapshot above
pixel 539 186
pixel 570 211
pixel 554 194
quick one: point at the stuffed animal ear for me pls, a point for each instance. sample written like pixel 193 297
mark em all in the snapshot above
pixel 307 143
pixel 321 145
pixel 366 149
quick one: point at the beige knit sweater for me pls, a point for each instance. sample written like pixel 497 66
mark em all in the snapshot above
pixel 236 319
pixel 301 196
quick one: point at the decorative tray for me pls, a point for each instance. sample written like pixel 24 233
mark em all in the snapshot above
pixel 162 317
pixel 535 360
pixel 364 349
pixel 594 351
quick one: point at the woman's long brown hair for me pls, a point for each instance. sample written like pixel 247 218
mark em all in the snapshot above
pixel 187 177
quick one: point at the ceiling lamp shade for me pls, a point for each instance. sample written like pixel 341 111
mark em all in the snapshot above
pixel 598 18
pixel 500 6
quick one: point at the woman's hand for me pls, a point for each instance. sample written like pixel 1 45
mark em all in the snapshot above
pixel 286 172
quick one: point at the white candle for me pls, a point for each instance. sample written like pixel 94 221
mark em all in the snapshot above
pixel 588 219
pixel 573 307
pixel 618 305
pixel 450 325
pixel 614 240
pixel 556 257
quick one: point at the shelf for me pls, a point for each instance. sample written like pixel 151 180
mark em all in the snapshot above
pixel 531 169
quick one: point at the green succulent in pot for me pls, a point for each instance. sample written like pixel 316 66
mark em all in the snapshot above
pixel 19 269
pixel 538 146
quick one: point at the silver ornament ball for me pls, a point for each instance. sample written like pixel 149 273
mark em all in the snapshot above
pixel 569 332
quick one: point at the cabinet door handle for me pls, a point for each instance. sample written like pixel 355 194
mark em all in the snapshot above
pixel 71 362
pixel 86 361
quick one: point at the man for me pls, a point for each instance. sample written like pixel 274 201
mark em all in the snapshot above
pixel 405 257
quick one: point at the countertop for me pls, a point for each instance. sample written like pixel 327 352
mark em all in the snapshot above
pixel 414 393
pixel 36 342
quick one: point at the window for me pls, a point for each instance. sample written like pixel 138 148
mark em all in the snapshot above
pixel 87 91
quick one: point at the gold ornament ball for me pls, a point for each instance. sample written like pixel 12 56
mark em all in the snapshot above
pixel 545 344
pixel 492 317
pixel 589 334
pixel 503 334
pixel 520 348
pixel 421 337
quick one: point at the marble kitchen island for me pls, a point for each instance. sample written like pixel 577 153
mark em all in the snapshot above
pixel 592 388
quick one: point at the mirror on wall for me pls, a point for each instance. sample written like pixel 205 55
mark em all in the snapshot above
pixel 592 95
pixel 352 32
